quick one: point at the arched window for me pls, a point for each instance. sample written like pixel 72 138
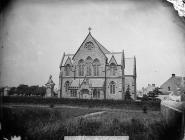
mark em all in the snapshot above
pixel 113 69
pixel 66 86
pixel 169 89
pixel 96 64
pixel 96 93
pixel 67 69
pixel 89 66
pixel 112 87
pixel 81 68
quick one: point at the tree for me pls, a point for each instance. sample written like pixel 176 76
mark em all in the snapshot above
pixel 153 94
pixel 145 98
pixel 42 91
pixel 37 91
pixel 22 90
pixel 13 91
pixel 33 90
pixel 127 94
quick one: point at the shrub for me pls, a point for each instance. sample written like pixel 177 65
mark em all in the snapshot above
pixel 144 109
pixel 151 105
pixel 51 105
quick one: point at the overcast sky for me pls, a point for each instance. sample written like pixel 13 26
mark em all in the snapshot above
pixel 35 34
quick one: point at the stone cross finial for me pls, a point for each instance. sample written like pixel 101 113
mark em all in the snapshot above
pixel 89 29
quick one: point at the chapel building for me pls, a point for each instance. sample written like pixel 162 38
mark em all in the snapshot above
pixel 93 72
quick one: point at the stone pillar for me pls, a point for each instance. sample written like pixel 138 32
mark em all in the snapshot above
pixel 6 91
pixel 50 87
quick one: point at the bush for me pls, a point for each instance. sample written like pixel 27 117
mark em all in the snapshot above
pixel 151 105
pixel 144 109
pixel 51 105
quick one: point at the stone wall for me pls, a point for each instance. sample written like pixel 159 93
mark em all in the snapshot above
pixel 174 117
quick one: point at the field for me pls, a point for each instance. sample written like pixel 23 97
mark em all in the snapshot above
pixel 36 123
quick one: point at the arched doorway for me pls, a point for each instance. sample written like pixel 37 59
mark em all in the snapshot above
pixel 85 93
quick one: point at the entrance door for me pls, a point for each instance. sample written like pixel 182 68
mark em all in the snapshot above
pixel 96 93
pixel 85 93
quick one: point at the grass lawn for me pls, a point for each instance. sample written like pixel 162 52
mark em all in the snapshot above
pixel 36 123
pixel 126 115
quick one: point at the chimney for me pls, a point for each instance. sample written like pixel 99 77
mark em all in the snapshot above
pixel 153 85
pixel 173 75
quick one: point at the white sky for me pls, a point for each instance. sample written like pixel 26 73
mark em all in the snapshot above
pixel 35 35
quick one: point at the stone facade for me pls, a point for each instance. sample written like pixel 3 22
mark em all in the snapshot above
pixel 95 73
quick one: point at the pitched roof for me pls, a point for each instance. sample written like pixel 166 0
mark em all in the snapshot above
pixel 129 66
pixel 129 62
pixel 112 60
pixel 65 58
pixel 117 56
pixel 68 61
pixel 50 82
pixel 176 80
pixel 103 49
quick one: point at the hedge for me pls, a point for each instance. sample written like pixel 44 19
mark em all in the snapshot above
pixel 151 105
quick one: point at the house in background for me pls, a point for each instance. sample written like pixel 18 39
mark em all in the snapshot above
pixel 93 72
pixel 174 87
pixel 149 88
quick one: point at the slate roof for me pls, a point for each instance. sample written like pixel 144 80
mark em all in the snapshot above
pixel 129 66
pixel 129 62
pixel 176 80
pixel 65 59
pixel 117 56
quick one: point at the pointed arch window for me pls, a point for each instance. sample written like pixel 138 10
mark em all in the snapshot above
pixel 67 69
pixel 89 70
pixel 66 86
pixel 113 69
pixel 81 68
pixel 89 66
pixel 96 93
pixel 112 87
pixel 96 64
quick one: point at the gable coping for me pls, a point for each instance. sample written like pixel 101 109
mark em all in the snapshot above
pixel 114 60
pixel 94 41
